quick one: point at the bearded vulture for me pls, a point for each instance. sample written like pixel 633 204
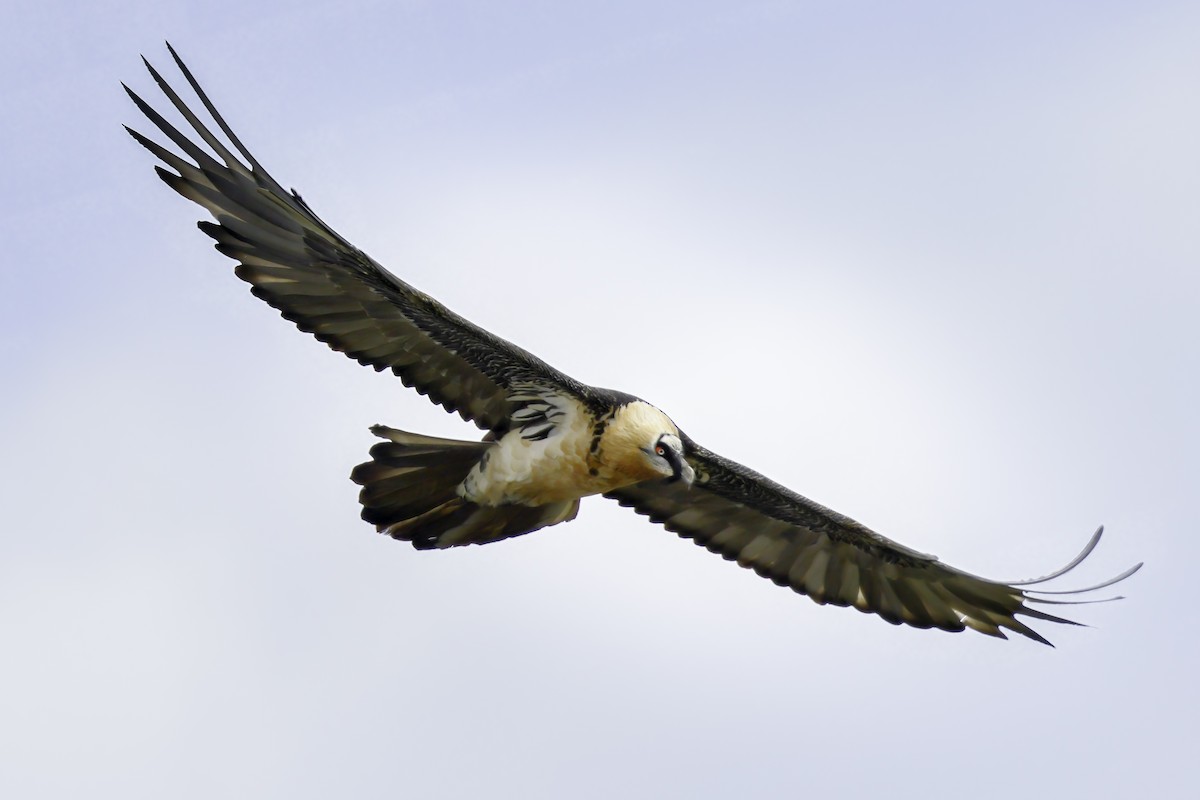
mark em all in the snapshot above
pixel 550 440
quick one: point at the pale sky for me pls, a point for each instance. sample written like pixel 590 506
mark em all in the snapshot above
pixel 956 245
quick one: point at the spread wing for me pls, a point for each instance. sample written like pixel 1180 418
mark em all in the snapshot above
pixel 333 290
pixel 795 542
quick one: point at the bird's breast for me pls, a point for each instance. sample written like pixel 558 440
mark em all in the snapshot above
pixel 560 467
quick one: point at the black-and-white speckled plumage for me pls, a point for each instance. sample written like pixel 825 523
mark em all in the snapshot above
pixel 331 289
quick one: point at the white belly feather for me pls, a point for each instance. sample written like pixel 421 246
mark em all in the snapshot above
pixel 536 472
pixel 568 463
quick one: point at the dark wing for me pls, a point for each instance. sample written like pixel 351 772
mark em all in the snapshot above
pixel 795 542
pixel 330 288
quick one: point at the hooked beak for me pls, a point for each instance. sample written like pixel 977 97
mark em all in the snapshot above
pixel 683 472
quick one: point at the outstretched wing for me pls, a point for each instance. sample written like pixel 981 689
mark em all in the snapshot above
pixel 330 288
pixel 795 542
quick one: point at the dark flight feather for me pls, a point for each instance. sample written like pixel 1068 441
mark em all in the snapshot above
pixel 331 289
pixel 795 542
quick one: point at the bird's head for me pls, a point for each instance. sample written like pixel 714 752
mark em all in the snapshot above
pixel 666 456
pixel 643 444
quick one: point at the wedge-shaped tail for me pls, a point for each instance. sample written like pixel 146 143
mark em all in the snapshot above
pixel 411 492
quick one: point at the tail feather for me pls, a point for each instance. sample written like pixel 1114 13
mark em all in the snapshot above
pixel 411 475
pixel 410 492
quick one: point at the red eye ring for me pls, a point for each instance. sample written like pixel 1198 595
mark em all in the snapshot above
pixel 662 451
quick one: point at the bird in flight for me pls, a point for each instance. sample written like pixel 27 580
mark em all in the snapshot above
pixel 550 439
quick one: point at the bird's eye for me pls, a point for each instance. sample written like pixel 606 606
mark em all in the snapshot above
pixel 662 451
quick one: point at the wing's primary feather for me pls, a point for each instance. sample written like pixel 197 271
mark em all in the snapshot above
pixel 330 288
pixel 734 511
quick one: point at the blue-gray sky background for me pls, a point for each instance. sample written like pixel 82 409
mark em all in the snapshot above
pixel 955 245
